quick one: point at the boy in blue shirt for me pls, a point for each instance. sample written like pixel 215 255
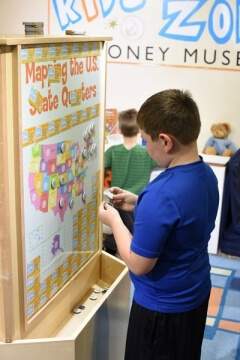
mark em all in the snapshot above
pixel 167 254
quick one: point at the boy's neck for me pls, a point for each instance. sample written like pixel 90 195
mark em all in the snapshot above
pixel 185 155
pixel 130 142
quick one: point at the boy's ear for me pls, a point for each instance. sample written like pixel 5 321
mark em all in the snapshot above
pixel 167 142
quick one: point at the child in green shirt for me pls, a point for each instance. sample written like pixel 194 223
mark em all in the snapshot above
pixel 130 166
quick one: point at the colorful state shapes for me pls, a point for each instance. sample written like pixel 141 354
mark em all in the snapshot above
pixel 61 159
pixel 52 199
pixel 83 174
pixel 77 149
pixel 43 165
pixel 72 152
pixel 35 165
pixel 36 201
pixel 55 176
pixel 38 181
pixel 68 163
pixel 61 168
pixel 64 200
pixel 51 166
pixel 45 182
pixel 61 147
pixel 43 202
pixel 49 152
pixel 37 150
pixel 73 167
pixel 81 160
pixel 73 193
pixel 70 175
pixel 63 178
pixel 80 165
pixel 77 168
pixel 31 182
pixel 63 189
pixel 54 180
pixel 70 187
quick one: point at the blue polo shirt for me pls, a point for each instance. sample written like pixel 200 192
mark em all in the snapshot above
pixel 174 217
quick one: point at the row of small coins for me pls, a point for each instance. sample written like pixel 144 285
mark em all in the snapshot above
pixel 78 309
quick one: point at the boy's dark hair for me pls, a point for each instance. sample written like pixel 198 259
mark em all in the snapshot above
pixel 127 121
pixel 173 112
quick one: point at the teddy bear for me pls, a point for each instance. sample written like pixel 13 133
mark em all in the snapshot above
pixel 219 144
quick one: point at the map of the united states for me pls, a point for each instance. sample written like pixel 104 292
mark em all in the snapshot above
pixel 57 173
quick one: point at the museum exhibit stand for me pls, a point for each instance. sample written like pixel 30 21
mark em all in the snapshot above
pixel 61 296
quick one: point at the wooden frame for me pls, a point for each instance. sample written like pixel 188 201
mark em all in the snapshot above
pixel 58 310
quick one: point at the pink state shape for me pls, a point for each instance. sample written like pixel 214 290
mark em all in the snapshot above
pixel 31 181
pixel 49 152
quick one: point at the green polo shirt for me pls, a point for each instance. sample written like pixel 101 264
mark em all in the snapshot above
pixel 131 169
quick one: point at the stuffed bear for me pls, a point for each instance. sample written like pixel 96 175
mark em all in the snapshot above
pixel 219 144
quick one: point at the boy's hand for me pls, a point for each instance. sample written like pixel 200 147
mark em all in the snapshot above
pixel 107 214
pixel 123 199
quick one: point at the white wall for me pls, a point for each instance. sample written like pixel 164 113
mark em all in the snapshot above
pixel 215 91
pixel 217 95
pixel 13 13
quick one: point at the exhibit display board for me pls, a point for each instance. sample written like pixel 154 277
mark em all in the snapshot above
pixel 52 141
pixel 62 95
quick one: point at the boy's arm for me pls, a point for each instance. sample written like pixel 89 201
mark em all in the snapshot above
pixel 139 265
